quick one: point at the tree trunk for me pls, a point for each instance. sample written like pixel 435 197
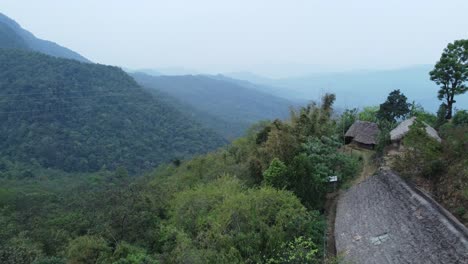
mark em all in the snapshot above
pixel 449 109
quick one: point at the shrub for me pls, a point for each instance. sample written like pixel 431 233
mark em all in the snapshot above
pixel 298 251
pixel 128 254
pixel 88 250
pixel 20 250
pixel 423 154
pixel 276 174
pixel 222 222
pixel 50 260
pixel 460 118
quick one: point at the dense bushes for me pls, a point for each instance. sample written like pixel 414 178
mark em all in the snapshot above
pixel 422 157
pixel 460 118
pixel 223 222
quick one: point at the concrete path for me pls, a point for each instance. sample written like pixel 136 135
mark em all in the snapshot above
pixel 383 220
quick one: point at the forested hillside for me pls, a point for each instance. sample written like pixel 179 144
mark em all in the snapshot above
pixel 225 128
pixel 12 36
pixel 237 106
pixel 257 200
pixel 64 114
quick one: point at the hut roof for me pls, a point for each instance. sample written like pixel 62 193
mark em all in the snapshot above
pixel 403 128
pixel 377 234
pixel 363 132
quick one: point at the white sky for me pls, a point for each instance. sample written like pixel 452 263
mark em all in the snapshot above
pixel 270 37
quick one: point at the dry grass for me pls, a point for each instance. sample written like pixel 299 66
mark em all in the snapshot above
pixel 369 167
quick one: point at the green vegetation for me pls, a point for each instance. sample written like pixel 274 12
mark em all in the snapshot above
pixel 257 200
pixel 451 73
pixel 77 142
pixel 422 115
pixel 460 118
pixel 369 113
pixel 394 108
pixel 423 153
pixel 77 117
pixel 347 119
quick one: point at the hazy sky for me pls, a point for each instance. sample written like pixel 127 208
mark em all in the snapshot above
pixel 262 36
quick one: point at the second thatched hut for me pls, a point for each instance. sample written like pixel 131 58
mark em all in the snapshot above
pixel 397 134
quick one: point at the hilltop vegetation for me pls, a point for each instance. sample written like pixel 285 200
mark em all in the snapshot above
pixel 63 114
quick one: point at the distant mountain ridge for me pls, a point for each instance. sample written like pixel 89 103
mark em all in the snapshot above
pixel 261 84
pixel 229 130
pixel 236 105
pixel 13 36
pixel 359 88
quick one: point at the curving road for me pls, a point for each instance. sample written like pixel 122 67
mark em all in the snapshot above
pixel 383 220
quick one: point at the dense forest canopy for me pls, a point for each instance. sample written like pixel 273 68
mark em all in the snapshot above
pixel 74 116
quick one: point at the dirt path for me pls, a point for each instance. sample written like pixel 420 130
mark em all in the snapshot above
pixel 368 168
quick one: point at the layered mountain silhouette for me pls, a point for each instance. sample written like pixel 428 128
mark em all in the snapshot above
pixel 357 88
pixel 13 36
pixel 224 105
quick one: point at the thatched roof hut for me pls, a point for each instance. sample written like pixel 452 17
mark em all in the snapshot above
pixel 402 129
pixel 364 133
pixel 392 222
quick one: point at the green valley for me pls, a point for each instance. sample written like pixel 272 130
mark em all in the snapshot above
pixel 101 165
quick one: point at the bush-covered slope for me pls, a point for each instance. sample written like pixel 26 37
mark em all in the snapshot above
pixel 256 200
pixel 236 105
pixel 80 117
pixel 12 36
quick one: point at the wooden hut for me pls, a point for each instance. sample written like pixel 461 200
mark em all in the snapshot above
pixel 363 134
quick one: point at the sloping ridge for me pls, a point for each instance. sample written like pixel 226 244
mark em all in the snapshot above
pixel 80 117
pixel 13 36
pixel 238 107
pixel 384 220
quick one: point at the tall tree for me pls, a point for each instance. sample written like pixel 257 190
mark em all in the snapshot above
pixel 451 73
pixel 396 106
